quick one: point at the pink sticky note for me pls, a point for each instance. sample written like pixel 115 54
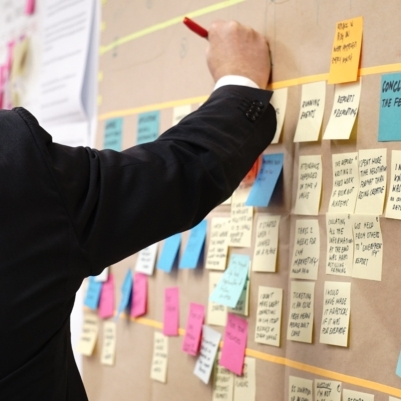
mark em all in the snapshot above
pixel 29 7
pixel 106 303
pixel 234 344
pixel 171 312
pixel 140 295
pixel 194 329
pixel 1 100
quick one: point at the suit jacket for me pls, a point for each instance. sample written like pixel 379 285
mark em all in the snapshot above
pixel 67 213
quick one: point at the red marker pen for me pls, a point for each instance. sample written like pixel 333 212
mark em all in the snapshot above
pixel 194 27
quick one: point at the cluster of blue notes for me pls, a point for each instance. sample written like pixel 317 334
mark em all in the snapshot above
pixel 194 246
pixel 169 253
pixel 148 127
pixel 113 133
pixel 93 293
pixel 126 291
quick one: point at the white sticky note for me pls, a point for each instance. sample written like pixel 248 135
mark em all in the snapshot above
pixel 216 313
pixel 179 112
pixel 336 313
pixel 340 244
pixel 372 181
pixel 345 183
pixel 89 334
pixel 245 385
pixel 393 207
pixel 158 370
pixel 311 112
pixel 268 316
pixel 208 351
pixel 266 243
pixel 241 219
pixel 216 257
pixel 300 389
pixel 145 262
pixel 309 185
pixel 344 112
pixel 300 322
pixel 102 277
pixel 349 395
pixel 305 256
pixel 279 102
pixel 223 384
pixel 327 390
pixel 108 355
pixel 368 247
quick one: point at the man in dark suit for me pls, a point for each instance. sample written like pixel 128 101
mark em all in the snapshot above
pixel 66 213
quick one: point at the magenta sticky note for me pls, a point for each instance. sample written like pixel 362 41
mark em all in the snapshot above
pixel 193 332
pixel 139 295
pixel 106 303
pixel 234 344
pixel 29 7
pixel 171 311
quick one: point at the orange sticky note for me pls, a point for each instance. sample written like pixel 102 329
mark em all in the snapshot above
pixel 346 51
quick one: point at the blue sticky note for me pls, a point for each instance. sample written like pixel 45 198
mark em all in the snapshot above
pixel 194 246
pixel 113 133
pixel 148 127
pixel 169 253
pixel 93 293
pixel 263 187
pixel 398 370
pixel 126 290
pixel 390 108
pixel 229 289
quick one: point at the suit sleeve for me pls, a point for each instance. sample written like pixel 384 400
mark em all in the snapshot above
pixel 121 202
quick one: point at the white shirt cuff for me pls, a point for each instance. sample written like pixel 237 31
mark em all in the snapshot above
pixel 235 80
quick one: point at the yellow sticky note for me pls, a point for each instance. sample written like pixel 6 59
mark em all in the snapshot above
pixel 179 112
pixel 346 51
pixel 279 102
pixel 336 313
pixel 20 52
pixel 216 257
pixel 216 313
pixel 327 390
pixel 89 334
pixel 266 244
pixel 393 207
pixel 241 219
pixel 158 370
pixel 223 383
pixel 109 343
pixel 245 385
pixel 300 389
pixel 349 395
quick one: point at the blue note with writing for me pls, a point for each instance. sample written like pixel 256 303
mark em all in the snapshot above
pixel 113 133
pixel 231 285
pixel 390 108
pixel 194 246
pixel 263 187
pixel 169 253
pixel 93 293
pixel 148 127
pixel 126 291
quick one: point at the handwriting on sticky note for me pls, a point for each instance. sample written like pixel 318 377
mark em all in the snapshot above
pixel 216 313
pixel 89 334
pixel 350 395
pixel 305 257
pixel 340 244
pixel 145 262
pixel 327 390
pixel 279 102
pixel 148 127
pixel 171 311
pixel 245 385
pixel 93 293
pixel 336 313
pixel 109 343
pixel 241 220
pixel 242 307
pixel 393 207
pixel 223 384
pixel 113 134
pixel 193 331
pixel 158 370
pixel 218 244
pixel 194 246
pixel 300 389
pixel 106 303
pixel 140 295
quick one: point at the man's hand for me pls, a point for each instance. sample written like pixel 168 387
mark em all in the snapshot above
pixel 235 49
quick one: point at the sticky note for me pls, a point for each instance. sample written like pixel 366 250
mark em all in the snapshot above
pixel 234 344
pixel 193 249
pixel 245 385
pixel 179 112
pixel 139 295
pixel 300 389
pixel 103 276
pixel 207 356
pixel 216 313
pixel 344 111
pixel 398 369
pixel 193 330
pixel 108 354
pixel 372 181
pixel 309 185
pixel 368 247
pixel 340 244
pixel 306 252
pixel 158 369
pixel 279 102
pixel 145 262
pixel 106 303
pixel 266 243
pixel 223 384
pixel 169 253
pixel 336 313
pixel 346 51
pixel 216 257
pixel 113 133
pixel 327 390
pixel 171 314
pixel 345 183
pixel 126 290
pixel 300 322
pixel 311 112
pixel 231 285
pixel 20 51
pixel 241 220
pixel 242 307
pixel 93 293
pixel 357 395
pixel 393 207
pixel 390 398
pixel 268 316
pixel 266 180
pixel 148 127
pixel 90 329
pixel 29 7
